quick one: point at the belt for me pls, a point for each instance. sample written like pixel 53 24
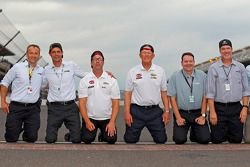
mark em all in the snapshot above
pixel 227 104
pixel 23 104
pixel 62 102
pixel 146 107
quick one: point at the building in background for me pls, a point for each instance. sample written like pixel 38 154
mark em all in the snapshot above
pixel 12 46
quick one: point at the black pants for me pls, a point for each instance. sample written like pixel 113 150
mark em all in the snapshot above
pixel 198 133
pixel 151 118
pixel 22 118
pixel 89 136
pixel 59 114
pixel 228 128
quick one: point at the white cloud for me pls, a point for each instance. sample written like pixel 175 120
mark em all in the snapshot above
pixel 119 28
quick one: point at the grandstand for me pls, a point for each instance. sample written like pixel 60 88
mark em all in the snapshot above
pixel 241 55
pixel 12 46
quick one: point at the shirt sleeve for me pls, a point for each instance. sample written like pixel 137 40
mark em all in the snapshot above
pixel 211 83
pixel 82 89
pixel 171 86
pixel 129 82
pixel 9 77
pixel 205 84
pixel 78 71
pixel 245 83
pixel 248 74
pixel 164 82
pixel 115 91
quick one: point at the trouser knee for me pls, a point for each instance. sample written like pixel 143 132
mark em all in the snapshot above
pixel 235 140
pixel 160 140
pixel 88 139
pixel 30 138
pixel 50 139
pixel 179 140
pixel 110 140
pixel 130 139
pixel 10 139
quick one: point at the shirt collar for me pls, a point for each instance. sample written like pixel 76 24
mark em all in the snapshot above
pixel 152 68
pixel 103 76
pixel 62 65
pixel 186 75
pixel 27 65
pixel 221 64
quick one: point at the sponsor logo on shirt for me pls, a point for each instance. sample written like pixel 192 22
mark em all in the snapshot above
pixel 91 82
pixel 91 86
pixel 153 76
pixel 139 76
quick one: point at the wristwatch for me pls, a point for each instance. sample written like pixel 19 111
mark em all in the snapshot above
pixel 204 115
pixel 245 106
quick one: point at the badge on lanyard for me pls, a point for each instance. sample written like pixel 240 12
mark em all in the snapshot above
pixel 227 87
pixel 29 89
pixel 191 99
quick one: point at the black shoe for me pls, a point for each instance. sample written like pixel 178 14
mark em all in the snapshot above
pixel 100 137
pixel 67 137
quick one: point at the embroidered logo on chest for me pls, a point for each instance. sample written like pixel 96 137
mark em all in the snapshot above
pixel 153 76
pixel 138 76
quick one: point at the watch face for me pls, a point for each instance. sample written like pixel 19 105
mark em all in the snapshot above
pixel 203 115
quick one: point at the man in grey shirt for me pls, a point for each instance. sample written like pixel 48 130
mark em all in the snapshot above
pixel 186 89
pixel 227 85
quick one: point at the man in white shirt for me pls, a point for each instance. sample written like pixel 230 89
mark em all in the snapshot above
pixel 59 78
pixel 99 96
pixel 146 86
pixel 23 112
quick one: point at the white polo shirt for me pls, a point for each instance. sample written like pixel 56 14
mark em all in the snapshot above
pixel 100 92
pixel 61 81
pixel 18 75
pixel 146 86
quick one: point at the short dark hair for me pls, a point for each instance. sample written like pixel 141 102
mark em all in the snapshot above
pixel 55 45
pixel 32 45
pixel 97 52
pixel 187 53
pixel 147 46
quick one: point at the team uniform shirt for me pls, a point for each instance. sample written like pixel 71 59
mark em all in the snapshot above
pixel 227 84
pixel 61 81
pixel 146 86
pixel 99 92
pixel 26 83
pixel 179 88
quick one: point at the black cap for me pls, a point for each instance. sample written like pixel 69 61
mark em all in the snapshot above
pixel 147 47
pixel 225 42
pixel 55 45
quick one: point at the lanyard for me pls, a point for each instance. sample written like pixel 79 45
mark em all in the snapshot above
pixel 30 71
pixel 190 86
pixel 227 74
pixel 58 76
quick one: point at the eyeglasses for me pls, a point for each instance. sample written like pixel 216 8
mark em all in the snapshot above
pixel 98 59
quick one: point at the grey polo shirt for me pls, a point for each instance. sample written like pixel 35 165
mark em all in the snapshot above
pixel 178 87
pixel 217 80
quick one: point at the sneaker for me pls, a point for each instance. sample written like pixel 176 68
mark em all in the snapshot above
pixel 67 137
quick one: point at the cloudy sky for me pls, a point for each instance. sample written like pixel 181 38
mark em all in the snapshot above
pixel 120 27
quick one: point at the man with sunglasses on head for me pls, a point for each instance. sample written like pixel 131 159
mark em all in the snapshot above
pixel 146 87
pixel 23 112
pixel 59 78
